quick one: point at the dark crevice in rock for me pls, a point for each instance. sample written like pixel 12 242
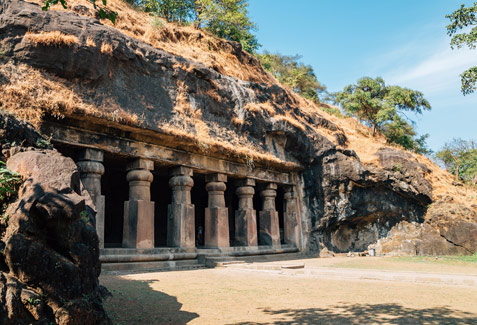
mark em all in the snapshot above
pixel 455 244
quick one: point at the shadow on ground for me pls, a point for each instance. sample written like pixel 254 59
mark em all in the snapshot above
pixel 367 314
pixel 134 302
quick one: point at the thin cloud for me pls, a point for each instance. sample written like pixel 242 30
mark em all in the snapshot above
pixel 437 72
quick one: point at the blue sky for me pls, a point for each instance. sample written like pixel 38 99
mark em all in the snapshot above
pixel 403 41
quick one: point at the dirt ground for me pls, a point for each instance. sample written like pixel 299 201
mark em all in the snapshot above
pixel 235 296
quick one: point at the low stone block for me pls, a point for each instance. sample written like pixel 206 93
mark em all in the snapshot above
pixel 138 229
pixel 245 182
pixel 246 228
pixel 216 178
pixel 141 164
pixel 181 225
pixel 90 154
pixel 216 231
pixel 269 232
pixel 181 170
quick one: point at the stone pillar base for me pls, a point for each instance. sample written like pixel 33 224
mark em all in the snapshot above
pixel 217 227
pixel 292 233
pixel 246 227
pixel 269 232
pixel 181 225
pixel 99 202
pixel 138 229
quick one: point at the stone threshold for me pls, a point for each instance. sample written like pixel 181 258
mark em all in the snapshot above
pixel 125 255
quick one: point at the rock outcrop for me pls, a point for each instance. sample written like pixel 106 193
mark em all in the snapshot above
pixel 449 229
pixel 49 262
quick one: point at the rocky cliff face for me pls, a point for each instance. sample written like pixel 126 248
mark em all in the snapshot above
pixel 347 204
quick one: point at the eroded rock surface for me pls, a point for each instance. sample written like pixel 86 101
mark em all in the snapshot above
pixel 49 265
pixel 355 205
pixel 449 229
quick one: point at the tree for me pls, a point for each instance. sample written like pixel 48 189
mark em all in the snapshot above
pixel 103 12
pixel 465 18
pixel 171 10
pixel 291 72
pixel 460 159
pixel 383 108
pixel 224 18
pixel 227 19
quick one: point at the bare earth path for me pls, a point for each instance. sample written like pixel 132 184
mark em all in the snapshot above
pixel 239 295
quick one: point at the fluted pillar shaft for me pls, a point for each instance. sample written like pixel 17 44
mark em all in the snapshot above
pixel 181 214
pixel 216 214
pixel 246 216
pixel 138 230
pixel 290 218
pixel 269 232
pixel 90 166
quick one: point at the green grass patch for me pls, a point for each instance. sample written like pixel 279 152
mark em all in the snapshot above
pixel 441 259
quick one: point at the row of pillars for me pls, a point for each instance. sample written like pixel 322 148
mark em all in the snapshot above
pixel 138 229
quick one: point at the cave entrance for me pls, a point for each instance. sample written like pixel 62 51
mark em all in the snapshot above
pixel 199 199
pixel 161 194
pixel 231 202
pixel 115 188
pixel 257 206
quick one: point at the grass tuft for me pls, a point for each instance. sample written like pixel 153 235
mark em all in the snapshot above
pixel 55 38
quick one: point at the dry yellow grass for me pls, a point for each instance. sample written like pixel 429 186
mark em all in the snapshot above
pixel 106 48
pixel 55 38
pixel 185 41
pixel 30 94
pixel 90 42
pixel 291 120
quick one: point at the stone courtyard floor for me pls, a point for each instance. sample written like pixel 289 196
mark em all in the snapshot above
pixel 340 290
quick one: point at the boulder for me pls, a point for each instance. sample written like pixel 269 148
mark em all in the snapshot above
pixel 49 266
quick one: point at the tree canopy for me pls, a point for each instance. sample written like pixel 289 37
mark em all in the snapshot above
pixel 224 18
pixel 465 19
pixel 460 158
pixel 383 108
pixel 291 72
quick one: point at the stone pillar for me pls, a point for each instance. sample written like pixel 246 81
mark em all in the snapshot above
pixel 138 231
pixel 90 166
pixel 181 214
pixel 269 232
pixel 216 231
pixel 290 218
pixel 246 216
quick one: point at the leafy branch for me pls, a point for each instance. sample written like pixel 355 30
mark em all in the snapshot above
pixel 103 12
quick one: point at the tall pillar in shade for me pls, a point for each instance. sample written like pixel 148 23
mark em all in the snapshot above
pixel 138 230
pixel 216 214
pixel 269 232
pixel 246 216
pixel 90 166
pixel 181 214
pixel 290 218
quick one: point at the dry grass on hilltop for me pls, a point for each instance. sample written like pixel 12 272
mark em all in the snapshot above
pixel 185 41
